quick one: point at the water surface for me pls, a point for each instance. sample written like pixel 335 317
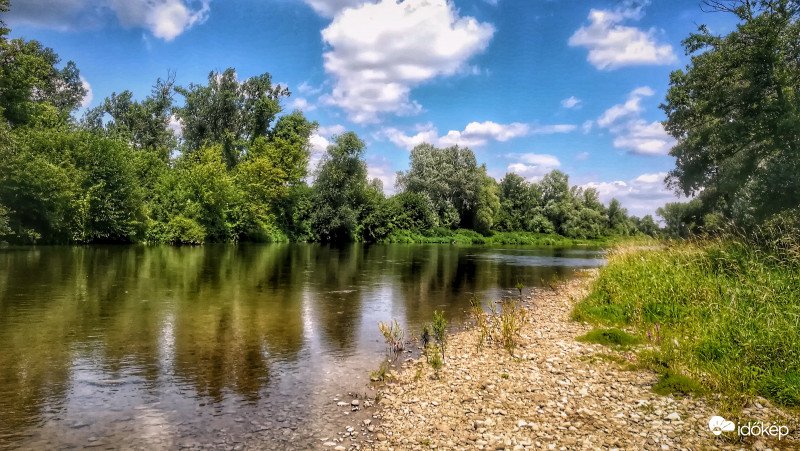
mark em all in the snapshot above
pixel 225 345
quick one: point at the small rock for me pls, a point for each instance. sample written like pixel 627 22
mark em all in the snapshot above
pixel 673 416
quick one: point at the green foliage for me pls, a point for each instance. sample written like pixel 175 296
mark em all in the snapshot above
pixel 63 185
pixel 434 357
pixel 229 113
pixel 341 186
pixel 726 308
pixel 30 82
pixel 393 334
pixel 676 384
pixel 144 125
pixel 610 337
pixel 735 113
pixel 237 172
pixel 453 181
pixel 439 327
pixel 381 374
pixel 512 316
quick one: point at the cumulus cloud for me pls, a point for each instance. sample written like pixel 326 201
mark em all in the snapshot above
pixel 165 19
pixel 632 132
pixel 87 99
pixel 320 141
pixel 532 166
pixel 380 51
pixel 475 134
pixel 329 8
pixel 175 125
pixel 612 45
pixel 570 102
pixel 379 167
pixel 300 103
pixel 641 196
pixel 331 130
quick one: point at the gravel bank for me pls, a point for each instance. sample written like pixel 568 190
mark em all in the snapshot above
pixel 553 393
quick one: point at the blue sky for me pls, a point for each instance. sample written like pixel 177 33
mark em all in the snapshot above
pixel 529 85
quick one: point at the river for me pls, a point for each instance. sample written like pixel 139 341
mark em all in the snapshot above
pixel 222 345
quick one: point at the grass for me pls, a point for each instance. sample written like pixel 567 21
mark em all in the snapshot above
pixel 677 384
pixel 723 312
pixel 442 235
pixel 610 337
pixel 381 374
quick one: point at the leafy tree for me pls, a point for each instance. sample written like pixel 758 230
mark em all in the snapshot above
pixel 63 185
pixel 648 226
pixel 30 80
pixel 488 204
pixel 229 113
pixel 142 125
pixel 681 218
pixel 451 178
pixel 293 213
pixel 340 185
pixel 735 113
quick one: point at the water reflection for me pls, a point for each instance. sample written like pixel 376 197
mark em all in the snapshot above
pixel 160 345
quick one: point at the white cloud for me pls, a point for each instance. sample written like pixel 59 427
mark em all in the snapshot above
pixel 379 167
pixel 475 134
pixel 583 156
pixel 307 89
pixel 551 129
pixel 329 8
pixel 570 102
pixel 632 132
pixel 319 145
pixel 612 45
pixel 175 126
pixel 379 52
pixel 641 196
pixel 300 103
pixel 87 99
pixel 533 166
pixel 331 130
pixel 586 127
pixel 165 19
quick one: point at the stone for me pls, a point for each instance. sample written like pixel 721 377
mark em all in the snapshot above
pixel 673 416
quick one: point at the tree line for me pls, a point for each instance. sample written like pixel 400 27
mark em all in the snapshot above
pixel 238 171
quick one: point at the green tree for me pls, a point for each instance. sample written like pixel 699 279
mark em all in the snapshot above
pixel 30 81
pixel 63 185
pixel 735 113
pixel 451 178
pixel 648 226
pixel 681 218
pixel 340 185
pixel 488 204
pixel 229 113
pixel 142 125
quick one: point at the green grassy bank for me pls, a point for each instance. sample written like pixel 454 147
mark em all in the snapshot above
pixel 465 236
pixel 725 312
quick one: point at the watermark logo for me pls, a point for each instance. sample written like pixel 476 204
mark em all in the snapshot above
pixel 718 425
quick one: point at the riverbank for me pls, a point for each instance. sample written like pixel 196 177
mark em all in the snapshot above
pixel 554 392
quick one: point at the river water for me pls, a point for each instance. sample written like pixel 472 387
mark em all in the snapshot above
pixel 231 346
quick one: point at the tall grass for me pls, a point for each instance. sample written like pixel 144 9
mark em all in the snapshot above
pixel 728 310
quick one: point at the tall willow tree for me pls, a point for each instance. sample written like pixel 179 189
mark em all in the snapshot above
pixel 735 112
